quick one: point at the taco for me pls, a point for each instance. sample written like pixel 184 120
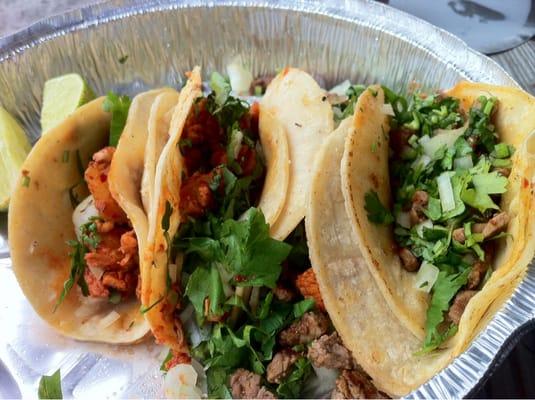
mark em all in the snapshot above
pixel 77 225
pixel 230 284
pixel 427 226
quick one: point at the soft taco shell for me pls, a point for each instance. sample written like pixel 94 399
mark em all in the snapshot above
pixel 300 107
pixel 166 205
pixel 40 224
pixel 370 327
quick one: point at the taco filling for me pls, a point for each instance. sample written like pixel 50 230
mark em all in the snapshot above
pixel 104 256
pixel 251 309
pixel 448 171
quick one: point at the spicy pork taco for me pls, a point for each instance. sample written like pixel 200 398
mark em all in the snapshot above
pixel 230 284
pixel 77 225
pixel 426 226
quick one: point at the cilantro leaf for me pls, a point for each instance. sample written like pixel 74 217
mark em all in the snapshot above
pixel 459 181
pixel 479 200
pixel 118 106
pixel 491 183
pixel 250 254
pixel 205 283
pixel 444 289
pixel 301 307
pixel 217 379
pixel 89 238
pixel 292 385
pixel 226 108
pixel 377 213
pixel 50 386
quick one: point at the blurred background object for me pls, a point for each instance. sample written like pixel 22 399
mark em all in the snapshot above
pixel 489 26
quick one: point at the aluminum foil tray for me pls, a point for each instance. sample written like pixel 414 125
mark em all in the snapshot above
pixel 358 40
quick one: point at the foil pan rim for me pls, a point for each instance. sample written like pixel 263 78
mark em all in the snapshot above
pixel 109 10
pixel 463 374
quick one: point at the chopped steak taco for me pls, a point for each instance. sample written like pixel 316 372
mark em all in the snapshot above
pixel 78 261
pixel 230 284
pixel 426 227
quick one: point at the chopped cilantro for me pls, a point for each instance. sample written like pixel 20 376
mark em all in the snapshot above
pixel 50 386
pixel 292 385
pixel 377 213
pixel 118 106
pixel 89 239
pixel 444 289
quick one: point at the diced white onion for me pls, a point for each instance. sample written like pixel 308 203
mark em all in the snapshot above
pixel 423 160
pixel 403 219
pixel 109 319
pixel 240 77
pixel 442 138
pixel 420 227
pixel 387 109
pixel 173 272
pixel 180 382
pixel 97 272
pixel 237 137
pixel 82 213
pixel 426 277
pixel 445 191
pixel 341 88
pixel 464 162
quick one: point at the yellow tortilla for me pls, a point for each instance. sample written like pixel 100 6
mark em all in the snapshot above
pixel 275 147
pixel 369 325
pixel 40 224
pixel 158 134
pixel 168 180
pixel 300 106
pixel 127 167
pixel 364 169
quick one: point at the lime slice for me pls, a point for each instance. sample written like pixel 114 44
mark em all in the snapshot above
pixel 14 148
pixel 61 96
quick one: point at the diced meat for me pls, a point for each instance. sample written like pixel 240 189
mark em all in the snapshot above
pixel 399 140
pixel 476 274
pixel 247 160
pixel 459 304
pixel 95 286
pixel 122 281
pixel 309 288
pixel 311 326
pixel 261 83
pixel 196 197
pixel 264 393
pixel 503 171
pixel 355 385
pixel 458 234
pixel 177 358
pixel 104 226
pixel 496 224
pixel 420 199
pixel 283 293
pixel 248 385
pixel 281 365
pixel 408 260
pixel 128 249
pixel 117 250
pixel 96 177
pixel 328 351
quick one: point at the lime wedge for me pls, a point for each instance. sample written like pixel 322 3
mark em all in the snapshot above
pixel 14 148
pixel 61 96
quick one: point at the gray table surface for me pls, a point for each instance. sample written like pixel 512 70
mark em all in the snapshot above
pixel 17 14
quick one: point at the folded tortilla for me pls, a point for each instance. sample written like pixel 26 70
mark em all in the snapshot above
pixel 40 218
pixel 370 298
pixel 294 120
